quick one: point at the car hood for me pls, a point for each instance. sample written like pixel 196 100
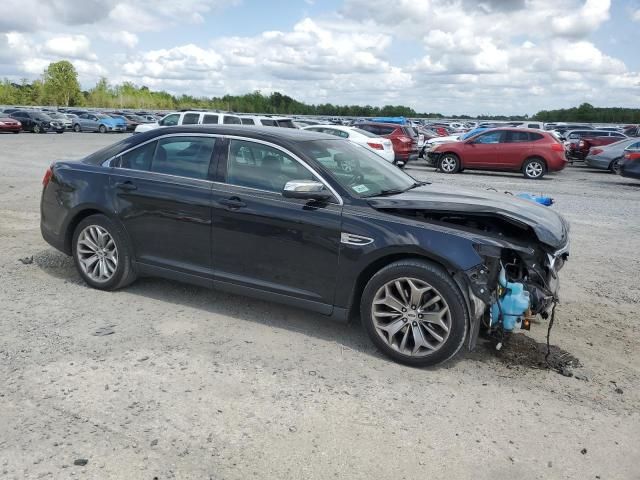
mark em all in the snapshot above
pixel 550 228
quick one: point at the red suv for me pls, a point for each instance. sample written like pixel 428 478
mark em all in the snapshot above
pixel 403 138
pixel 529 151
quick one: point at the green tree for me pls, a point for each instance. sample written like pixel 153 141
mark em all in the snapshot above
pixel 61 83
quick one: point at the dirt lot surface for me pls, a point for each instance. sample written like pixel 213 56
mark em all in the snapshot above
pixel 164 380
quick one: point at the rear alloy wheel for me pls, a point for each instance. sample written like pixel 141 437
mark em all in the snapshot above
pixel 37 128
pixel 76 128
pixel 534 169
pixel 102 253
pixel 102 129
pixel 449 163
pixel 414 313
pixel 615 166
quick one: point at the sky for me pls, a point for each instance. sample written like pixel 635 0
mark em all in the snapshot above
pixel 448 56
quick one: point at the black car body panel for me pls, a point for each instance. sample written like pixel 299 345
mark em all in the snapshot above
pixel 316 255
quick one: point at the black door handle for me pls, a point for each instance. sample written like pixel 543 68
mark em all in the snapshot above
pixel 233 203
pixel 127 186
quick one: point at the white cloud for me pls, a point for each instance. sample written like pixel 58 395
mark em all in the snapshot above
pixel 70 46
pixel 127 39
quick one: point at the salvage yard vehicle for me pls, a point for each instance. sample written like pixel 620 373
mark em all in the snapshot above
pixel 270 213
pixel 267 121
pixel 37 122
pixel 403 138
pixel 532 152
pixel 98 122
pixel 607 157
pixel 629 165
pixel 191 118
pixel 9 125
pixel 579 150
pixel 370 141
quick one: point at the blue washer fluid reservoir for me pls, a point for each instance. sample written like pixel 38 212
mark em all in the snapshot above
pixel 513 304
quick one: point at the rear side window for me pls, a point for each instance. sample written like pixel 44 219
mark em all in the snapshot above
pixel 286 124
pixel 184 156
pixel 210 120
pixel 268 123
pixel 248 121
pixel 535 136
pixel 139 158
pixel 170 120
pixel 191 119
pixel 533 125
pixel 229 120
pixel 517 137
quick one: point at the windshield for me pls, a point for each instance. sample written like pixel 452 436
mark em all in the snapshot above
pixel 359 171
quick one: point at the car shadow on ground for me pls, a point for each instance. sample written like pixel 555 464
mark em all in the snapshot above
pixel 481 173
pixel 349 335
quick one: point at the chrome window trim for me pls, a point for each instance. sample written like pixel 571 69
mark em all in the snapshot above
pixel 107 163
pixel 292 155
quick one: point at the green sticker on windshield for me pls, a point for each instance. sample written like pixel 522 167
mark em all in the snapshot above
pixel 360 188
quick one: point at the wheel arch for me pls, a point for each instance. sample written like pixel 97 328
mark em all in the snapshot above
pixel 379 263
pixel 535 156
pixel 82 213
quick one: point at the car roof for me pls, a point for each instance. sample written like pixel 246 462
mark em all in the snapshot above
pixel 250 131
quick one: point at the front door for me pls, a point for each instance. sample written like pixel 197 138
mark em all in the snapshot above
pixel 484 150
pixel 162 196
pixel 264 241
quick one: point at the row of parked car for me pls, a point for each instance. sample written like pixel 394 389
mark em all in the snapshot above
pixel 18 119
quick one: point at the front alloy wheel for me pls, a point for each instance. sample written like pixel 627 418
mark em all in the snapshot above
pixel 449 163
pixel 414 312
pixel 411 316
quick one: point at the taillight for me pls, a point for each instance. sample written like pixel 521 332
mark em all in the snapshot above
pixel 376 146
pixel 632 156
pixel 47 176
pixel 557 147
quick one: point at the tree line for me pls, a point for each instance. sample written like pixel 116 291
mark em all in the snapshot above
pixel 59 86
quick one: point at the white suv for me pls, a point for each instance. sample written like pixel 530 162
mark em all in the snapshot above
pixel 191 118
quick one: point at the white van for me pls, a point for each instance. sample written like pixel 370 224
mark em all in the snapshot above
pixel 191 118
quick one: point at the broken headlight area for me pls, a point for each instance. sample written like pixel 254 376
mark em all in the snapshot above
pixel 512 288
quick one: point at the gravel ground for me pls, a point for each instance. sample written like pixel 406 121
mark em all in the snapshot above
pixel 164 380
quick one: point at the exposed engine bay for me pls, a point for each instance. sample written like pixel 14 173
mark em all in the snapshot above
pixel 518 280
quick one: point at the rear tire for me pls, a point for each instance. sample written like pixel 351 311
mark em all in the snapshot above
pixel 449 163
pixel 614 167
pixel 102 254
pixel 434 324
pixel 534 168
pixel 102 129
pixel 36 129
pixel 76 128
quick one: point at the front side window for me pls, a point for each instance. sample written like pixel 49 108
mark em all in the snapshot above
pixel 254 165
pixel 191 119
pixel 356 169
pixel 491 137
pixel 184 156
pixel 170 120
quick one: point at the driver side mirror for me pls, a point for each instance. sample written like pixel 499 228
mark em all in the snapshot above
pixel 306 190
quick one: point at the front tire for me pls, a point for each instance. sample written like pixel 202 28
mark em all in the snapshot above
pixel 102 254
pixel 102 129
pixel 414 313
pixel 449 163
pixel 76 128
pixel 534 169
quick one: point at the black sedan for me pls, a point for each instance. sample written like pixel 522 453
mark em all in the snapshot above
pixel 37 122
pixel 313 221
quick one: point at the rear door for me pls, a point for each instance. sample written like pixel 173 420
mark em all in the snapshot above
pixel 515 150
pixel 162 195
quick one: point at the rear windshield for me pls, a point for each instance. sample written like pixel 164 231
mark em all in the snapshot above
pixel 365 133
